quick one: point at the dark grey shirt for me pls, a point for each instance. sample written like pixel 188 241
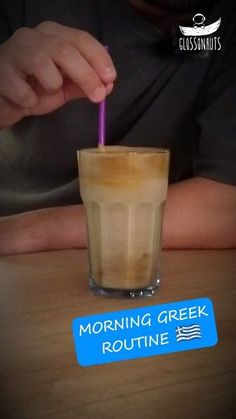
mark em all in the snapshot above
pixel 163 97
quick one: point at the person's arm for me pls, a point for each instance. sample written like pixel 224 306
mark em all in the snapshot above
pixel 199 214
pixel 44 229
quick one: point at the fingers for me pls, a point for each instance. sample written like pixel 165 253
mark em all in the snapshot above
pixel 79 71
pixel 39 64
pixel 53 50
pixel 83 59
pixel 109 88
pixel 29 54
pixel 92 50
pixel 42 68
pixel 48 103
pixel 13 87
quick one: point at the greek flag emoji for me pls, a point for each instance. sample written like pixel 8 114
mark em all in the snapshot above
pixel 188 332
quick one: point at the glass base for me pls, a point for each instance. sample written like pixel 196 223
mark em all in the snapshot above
pixel 124 293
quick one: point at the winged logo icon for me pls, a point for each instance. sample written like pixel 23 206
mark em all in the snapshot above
pixel 199 29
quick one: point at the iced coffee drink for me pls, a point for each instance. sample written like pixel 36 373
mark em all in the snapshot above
pixel 124 191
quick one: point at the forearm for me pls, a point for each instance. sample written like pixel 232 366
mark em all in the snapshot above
pixel 44 229
pixel 199 213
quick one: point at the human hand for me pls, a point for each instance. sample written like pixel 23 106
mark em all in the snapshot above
pixel 43 68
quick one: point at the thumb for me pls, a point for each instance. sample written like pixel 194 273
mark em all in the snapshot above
pixel 10 113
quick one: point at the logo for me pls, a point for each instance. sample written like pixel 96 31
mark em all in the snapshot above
pixel 199 29
pixel 197 38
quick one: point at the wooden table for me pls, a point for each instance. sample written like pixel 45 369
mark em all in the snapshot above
pixel 40 294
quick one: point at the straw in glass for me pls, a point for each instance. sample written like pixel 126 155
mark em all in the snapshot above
pixel 102 121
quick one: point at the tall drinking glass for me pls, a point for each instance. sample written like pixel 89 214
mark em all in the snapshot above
pixel 124 191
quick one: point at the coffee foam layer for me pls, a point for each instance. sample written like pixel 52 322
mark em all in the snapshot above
pixel 118 166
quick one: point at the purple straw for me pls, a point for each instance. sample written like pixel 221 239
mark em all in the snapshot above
pixel 101 123
pixel 101 120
